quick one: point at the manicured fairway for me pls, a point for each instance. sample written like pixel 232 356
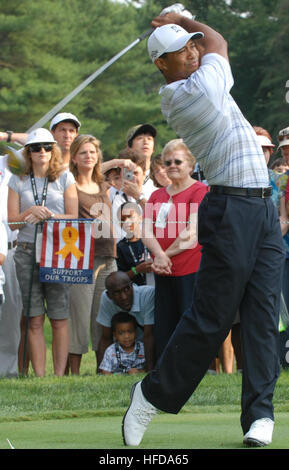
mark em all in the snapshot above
pixel 185 431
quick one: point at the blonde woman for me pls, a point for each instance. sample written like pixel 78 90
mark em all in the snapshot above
pixel 44 192
pixel 85 164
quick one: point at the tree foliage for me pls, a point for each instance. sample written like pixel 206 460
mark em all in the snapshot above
pixel 50 47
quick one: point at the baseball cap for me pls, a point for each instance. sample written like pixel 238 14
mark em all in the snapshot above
pixel 39 136
pixel 283 137
pixel 140 129
pixel 264 141
pixel 169 38
pixel 64 117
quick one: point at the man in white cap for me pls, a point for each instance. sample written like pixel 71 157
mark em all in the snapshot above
pixel 238 228
pixel 64 127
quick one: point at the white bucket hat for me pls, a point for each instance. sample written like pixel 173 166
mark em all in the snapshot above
pixel 39 136
pixel 169 38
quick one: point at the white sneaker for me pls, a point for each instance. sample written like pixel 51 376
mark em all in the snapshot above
pixel 260 433
pixel 137 418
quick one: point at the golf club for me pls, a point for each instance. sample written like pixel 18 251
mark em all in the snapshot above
pixel 86 82
pixel 15 158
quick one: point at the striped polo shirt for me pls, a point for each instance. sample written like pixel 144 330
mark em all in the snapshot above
pixel 203 113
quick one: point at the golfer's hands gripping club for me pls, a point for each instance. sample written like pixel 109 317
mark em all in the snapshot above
pixel 171 14
pixel 177 8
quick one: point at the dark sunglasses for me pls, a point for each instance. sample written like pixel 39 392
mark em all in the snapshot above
pixel 38 147
pixel 169 162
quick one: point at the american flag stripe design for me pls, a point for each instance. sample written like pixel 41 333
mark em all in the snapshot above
pixel 79 253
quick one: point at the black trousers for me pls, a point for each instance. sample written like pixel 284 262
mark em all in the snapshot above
pixel 241 268
pixel 173 295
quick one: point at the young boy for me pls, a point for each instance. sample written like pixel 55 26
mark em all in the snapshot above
pixel 125 355
pixel 132 256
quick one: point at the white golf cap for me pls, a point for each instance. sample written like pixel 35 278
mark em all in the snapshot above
pixel 283 143
pixel 64 117
pixel 169 38
pixel 40 136
pixel 264 141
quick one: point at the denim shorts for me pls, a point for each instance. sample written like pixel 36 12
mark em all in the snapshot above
pixel 45 297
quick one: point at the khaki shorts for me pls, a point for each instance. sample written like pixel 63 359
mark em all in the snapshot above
pixel 46 297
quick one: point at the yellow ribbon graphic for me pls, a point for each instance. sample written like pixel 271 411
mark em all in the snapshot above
pixel 70 237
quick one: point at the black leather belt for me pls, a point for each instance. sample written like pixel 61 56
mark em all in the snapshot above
pixel 12 244
pixel 249 192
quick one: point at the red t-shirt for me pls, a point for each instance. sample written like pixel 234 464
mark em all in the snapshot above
pixel 183 204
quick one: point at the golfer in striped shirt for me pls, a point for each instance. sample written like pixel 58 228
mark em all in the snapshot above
pixel 238 228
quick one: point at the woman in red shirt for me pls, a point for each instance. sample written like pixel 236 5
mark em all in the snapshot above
pixel 170 233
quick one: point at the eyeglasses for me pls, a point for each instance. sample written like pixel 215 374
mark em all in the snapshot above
pixel 169 162
pixel 38 147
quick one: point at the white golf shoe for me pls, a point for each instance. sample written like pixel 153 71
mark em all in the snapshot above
pixel 260 433
pixel 137 418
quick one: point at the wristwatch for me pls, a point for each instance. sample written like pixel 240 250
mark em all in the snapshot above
pixel 141 197
pixel 9 134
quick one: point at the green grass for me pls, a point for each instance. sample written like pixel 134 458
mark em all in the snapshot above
pixel 184 431
pixel 85 412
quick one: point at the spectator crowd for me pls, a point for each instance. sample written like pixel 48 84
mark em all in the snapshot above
pixel 149 205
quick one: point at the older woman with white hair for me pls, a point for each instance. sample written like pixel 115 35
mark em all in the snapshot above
pixel 170 233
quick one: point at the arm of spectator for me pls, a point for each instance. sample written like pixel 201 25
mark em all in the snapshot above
pixel 20 138
pixel 149 346
pixel 284 219
pixel 134 371
pixel 3 243
pixel 105 341
pixel 187 239
pixel 70 203
pixel 117 163
pixel 35 213
pixel 130 188
pixel 145 267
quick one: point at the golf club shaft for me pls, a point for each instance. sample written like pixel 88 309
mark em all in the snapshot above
pixel 86 82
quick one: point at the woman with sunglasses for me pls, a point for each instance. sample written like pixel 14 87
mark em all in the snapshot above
pixel 44 192
pixel 94 202
pixel 170 233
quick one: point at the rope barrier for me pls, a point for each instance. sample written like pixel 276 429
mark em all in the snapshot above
pixel 97 221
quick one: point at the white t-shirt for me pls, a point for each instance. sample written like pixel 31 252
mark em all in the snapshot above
pixel 54 200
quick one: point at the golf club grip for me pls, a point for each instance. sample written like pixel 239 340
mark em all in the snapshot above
pixel 146 33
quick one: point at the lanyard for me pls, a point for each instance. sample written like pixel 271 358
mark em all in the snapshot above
pixel 34 190
pixel 135 260
pixel 120 365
